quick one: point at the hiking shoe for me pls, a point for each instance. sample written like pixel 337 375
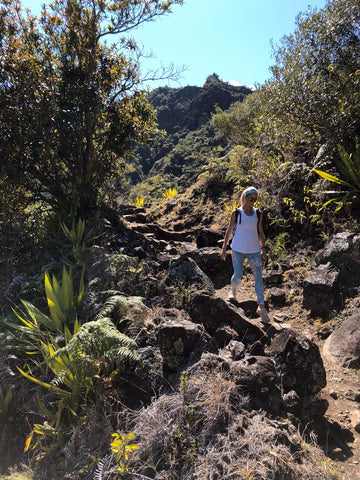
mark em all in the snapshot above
pixel 263 314
pixel 232 294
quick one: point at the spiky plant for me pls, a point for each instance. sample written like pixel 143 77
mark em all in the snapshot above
pixel 348 181
pixel 171 192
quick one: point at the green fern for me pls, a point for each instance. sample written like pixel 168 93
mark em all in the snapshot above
pixel 121 309
pixel 100 340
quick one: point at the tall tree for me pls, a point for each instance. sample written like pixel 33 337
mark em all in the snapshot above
pixel 315 87
pixel 70 102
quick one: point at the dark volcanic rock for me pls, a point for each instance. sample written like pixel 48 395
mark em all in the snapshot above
pixel 278 296
pixel 208 238
pixel 186 272
pixel 343 345
pixel 343 251
pixel 307 408
pixel 321 290
pixel 210 262
pixel 298 363
pixel 179 340
pixel 256 376
pixel 214 312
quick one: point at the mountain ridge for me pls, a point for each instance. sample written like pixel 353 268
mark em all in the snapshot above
pixel 184 114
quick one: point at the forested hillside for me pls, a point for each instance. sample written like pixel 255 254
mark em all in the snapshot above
pixel 119 355
pixel 188 142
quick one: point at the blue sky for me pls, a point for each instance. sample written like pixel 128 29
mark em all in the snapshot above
pixel 229 37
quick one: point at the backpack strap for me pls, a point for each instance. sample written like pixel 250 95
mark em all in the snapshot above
pixel 238 213
pixel 238 216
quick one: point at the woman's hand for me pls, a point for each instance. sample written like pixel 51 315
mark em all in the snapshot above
pixel 223 253
pixel 264 255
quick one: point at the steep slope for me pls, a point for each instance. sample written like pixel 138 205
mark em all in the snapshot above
pixel 184 115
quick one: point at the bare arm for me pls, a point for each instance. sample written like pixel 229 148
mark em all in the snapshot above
pixel 262 239
pixel 228 234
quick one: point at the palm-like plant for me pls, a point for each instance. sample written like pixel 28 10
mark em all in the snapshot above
pixel 36 327
pixel 348 166
pixel 171 192
pixel 79 239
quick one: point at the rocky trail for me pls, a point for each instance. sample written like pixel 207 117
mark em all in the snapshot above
pixel 342 390
pixel 341 423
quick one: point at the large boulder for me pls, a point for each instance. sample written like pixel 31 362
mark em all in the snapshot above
pixel 321 290
pixel 307 408
pixel 210 262
pixel 179 341
pixel 256 377
pixel 343 345
pixel 343 251
pixel 214 312
pixel 186 272
pixel 298 363
pixel 208 238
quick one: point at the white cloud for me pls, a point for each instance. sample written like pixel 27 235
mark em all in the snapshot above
pixel 234 83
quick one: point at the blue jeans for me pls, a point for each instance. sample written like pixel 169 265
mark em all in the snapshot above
pixel 255 262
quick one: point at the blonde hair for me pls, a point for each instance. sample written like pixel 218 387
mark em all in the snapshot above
pixel 247 192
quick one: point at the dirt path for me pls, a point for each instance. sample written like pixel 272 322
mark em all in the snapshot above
pixel 342 390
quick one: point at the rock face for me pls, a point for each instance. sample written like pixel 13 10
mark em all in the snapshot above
pixel 256 376
pixel 214 312
pixel 298 363
pixel 208 238
pixel 186 272
pixel 278 296
pixel 208 259
pixel 343 251
pixel 343 345
pixel 178 341
pixel 300 374
pixel 321 289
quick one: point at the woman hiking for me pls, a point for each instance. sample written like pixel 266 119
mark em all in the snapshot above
pixel 248 242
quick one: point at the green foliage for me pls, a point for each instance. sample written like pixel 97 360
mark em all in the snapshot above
pixel 78 97
pixel 348 167
pixel 91 358
pixel 20 473
pixel 234 207
pixel 79 239
pixel 123 449
pixel 5 403
pixel 101 342
pixel 277 250
pixel 35 325
pixel 307 213
pixel 181 294
pixel 152 188
pixel 115 271
pixel 314 92
pixel 123 311
pixel 62 301
pixel 183 381
pixel 238 124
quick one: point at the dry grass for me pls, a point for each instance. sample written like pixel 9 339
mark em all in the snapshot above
pixel 204 432
pixel 21 473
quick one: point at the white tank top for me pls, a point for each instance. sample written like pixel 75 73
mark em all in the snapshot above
pixel 246 237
